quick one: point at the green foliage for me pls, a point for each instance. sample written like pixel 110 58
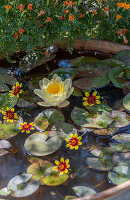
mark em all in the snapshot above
pixel 39 31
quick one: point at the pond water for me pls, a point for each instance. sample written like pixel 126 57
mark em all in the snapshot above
pixel 83 173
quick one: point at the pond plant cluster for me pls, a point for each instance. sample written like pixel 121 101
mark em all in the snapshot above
pixel 51 131
pixel 28 24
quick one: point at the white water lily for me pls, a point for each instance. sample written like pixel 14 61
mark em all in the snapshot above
pixel 54 92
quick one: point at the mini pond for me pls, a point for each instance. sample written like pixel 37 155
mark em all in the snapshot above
pixel 86 129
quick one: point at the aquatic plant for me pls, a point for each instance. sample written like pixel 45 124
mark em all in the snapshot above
pixel 91 100
pixel 26 127
pixel 62 166
pixel 9 114
pixel 16 90
pixel 74 141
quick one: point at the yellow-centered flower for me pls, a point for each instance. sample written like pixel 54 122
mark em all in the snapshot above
pixel 54 91
pixel 26 127
pixel 74 141
pixel 62 166
pixel 9 115
pixel 91 100
pixel 16 90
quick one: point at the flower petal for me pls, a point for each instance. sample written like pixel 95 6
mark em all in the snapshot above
pixel 87 94
pixel 94 93
pixel 57 162
pixel 67 161
pixel 98 102
pixel 55 168
pixel 62 159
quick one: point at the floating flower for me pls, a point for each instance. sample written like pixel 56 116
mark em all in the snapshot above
pixel 91 100
pixel 74 141
pixel 54 91
pixel 48 19
pixel 71 17
pixel 9 115
pixel 16 35
pixel 26 127
pixel 62 166
pixel 16 90
pixel 30 6
pixel 118 16
pixel 21 31
pixel 8 7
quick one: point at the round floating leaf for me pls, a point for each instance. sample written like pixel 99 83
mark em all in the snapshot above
pixel 38 145
pixel 123 144
pixel 105 132
pixel 4 191
pixel 120 118
pixel 124 56
pixel 126 102
pixel 4 88
pixel 121 175
pixel 121 158
pixel 38 168
pixel 5 144
pixel 41 123
pixel 7 101
pixel 100 81
pixel 52 178
pixel 64 73
pixel 77 62
pixel 112 62
pixel 84 119
pixel 56 117
pixel 8 130
pixel 83 191
pixel 21 187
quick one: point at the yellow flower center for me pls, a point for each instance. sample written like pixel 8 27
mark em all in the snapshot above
pixel 54 88
pixel 61 167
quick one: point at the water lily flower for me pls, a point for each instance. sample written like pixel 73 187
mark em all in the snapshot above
pixel 74 141
pixel 54 92
pixel 26 127
pixel 9 115
pixel 91 100
pixel 16 90
pixel 62 166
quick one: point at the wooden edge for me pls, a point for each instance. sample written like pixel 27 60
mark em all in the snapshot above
pixel 108 193
pixel 93 44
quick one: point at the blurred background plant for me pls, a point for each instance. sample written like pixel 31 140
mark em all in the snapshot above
pixel 28 24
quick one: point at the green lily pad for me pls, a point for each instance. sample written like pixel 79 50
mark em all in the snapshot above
pixel 38 168
pixel 76 92
pixel 121 158
pixel 7 101
pixel 83 191
pixel 123 144
pixel 4 88
pixel 4 191
pixel 124 56
pixel 21 187
pixel 121 175
pixel 7 79
pixel 112 62
pixel 77 62
pixel 84 119
pixel 52 178
pixel 38 145
pixel 119 76
pixel 8 130
pixel 25 104
pixel 41 123
pixel 5 144
pixel 126 102
pixel 105 132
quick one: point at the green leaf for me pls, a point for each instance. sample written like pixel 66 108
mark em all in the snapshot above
pixel 126 102
pixel 7 101
pixel 83 191
pixel 4 191
pixel 124 56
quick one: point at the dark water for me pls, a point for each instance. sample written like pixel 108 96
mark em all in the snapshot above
pixel 16 163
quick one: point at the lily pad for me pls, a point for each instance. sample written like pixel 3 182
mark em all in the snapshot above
pixel 77 62
pixel 126 102
pixel 105 132
pixel 38 145
pixel 20 186
pixel 112 62
pixel 4 191
pixel 121 158
pixel 8 130
pixel 83 191
pixel 6 79
pixel 38 168
pixel 5 144
pixel 25 104
pixel 7 101
pixel 4 88
pixel 52 178
pixel 121 175
pixel 41 123
pixel 122 142
pixel 84 119
pixel 124 56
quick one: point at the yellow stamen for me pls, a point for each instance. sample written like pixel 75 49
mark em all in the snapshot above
pixel 54 88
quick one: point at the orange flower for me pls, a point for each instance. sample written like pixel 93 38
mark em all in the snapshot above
pixel 123 5
pixel 8 7
pixel 71 17
pixel 67 11
pixel 80 15
pixel 16 35
pixel 94 12
pixel 118 16
pixel 62 17
pixel 106 9
pixel 100 1
pixel 66 3
pixel 41 25
pixel 71 3
pixel 48 19
pixel 118 32
pixel 30 6
pixel 21 6
pixel 45 53
pixel 42 12
pixel 124 31
pixel 21 31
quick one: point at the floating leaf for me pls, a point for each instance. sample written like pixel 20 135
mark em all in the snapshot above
pixel 4 88
pixel 24 104
pixel 5 144
pixel 124 56
pixel 121 158
pixel 121 175
pixel 84 119
pixel 21 187
pixel 76 92
pixel 105 132
pixel 83 191
pixel 52 178
pixel 7 101
pixel 6 79
pixel 38 168
pixel 123 144
pixel 64 73
pixel 41 123
pixel 112 62
pixel 126 102
pixel 38 145
pixel 77 62
pixel 68 197
pixel 64 104
pixel 4 191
